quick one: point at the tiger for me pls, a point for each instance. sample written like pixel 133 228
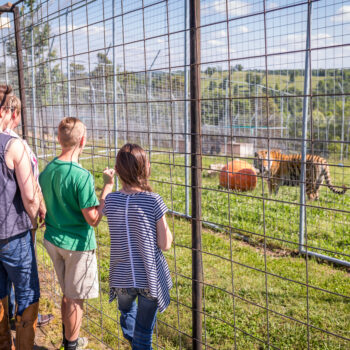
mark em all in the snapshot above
pixel 285 170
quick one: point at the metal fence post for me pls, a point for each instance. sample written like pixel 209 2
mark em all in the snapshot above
pixel 196 165
pixel 342 120
pixel 68 68
pixel 21 86
pixel 186 126
pixel 115 95
pixel 33 92
pixel 302 218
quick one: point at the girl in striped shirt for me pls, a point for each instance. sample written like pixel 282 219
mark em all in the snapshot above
pixel 138 232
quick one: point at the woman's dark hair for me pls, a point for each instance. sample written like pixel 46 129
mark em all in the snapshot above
pixel 5 93
pixel 132 166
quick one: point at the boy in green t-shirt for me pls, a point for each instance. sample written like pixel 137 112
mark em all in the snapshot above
pixel 72 210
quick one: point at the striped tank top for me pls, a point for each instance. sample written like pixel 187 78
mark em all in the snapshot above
pixel 135 259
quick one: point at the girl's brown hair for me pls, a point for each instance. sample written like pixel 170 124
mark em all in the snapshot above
pixel 5 94
pixel 132 166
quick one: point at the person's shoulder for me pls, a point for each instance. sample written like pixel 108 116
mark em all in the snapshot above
pixel 15 146
pixel 150 194
pixel 47 168
pixel 81 177
pixel 154 195
pixel 10 132
pixel 80 170
pixel 151 197
pixel 113 198
pixel 144 196
pixel 112 195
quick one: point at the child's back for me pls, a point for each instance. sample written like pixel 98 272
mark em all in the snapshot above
pixel 139 231
pixel 136 260
pixel 68 188
pixel 69 238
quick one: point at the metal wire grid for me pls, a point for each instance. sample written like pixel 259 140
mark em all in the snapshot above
pixel 121 67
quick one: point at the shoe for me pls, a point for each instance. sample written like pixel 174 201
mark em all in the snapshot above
pixel 25 327
pixel 5 333
pixel 44 320
pixel 82 343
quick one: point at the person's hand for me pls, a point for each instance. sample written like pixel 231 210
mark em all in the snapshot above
pixel 41 220
pixel 108 176
pixel 42 213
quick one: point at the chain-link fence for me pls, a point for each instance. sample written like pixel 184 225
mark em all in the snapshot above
pixel 200 84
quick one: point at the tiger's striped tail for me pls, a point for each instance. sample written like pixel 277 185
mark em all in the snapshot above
pixel 327 178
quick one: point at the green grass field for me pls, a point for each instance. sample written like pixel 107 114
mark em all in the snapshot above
pixel 255 214
pixel 270 285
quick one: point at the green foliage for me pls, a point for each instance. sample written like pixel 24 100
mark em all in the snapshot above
pixel 253 78
pixel 210 71
pixel 292 76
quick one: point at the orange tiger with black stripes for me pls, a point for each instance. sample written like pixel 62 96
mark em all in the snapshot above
pixel 285 171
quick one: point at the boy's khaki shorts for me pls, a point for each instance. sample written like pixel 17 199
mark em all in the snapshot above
pixel 76 271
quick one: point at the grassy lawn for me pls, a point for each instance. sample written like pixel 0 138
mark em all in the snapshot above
pixel 256 214
pixel 277 294
pixel 233 266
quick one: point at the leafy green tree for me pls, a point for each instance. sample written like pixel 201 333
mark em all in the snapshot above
pixel 35 43
pixel 210 71
pixel 292 76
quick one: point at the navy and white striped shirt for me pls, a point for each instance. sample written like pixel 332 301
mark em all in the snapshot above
pixel 135 260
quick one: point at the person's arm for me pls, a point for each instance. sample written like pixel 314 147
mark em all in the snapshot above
pixel 17 158
pixel 164 236
pixel 94 215
pixel 42 209
pixel 91 216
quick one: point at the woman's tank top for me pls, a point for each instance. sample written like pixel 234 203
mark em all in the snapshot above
pixel 13 217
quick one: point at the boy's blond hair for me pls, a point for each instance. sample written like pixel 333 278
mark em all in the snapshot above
pixel 70 132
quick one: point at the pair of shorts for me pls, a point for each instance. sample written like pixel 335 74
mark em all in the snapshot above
pixel 76 271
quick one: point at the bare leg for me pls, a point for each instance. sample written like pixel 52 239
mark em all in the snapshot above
pixel 72 315
pixel 63 307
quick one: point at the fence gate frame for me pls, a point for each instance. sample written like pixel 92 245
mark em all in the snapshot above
pixel 303 245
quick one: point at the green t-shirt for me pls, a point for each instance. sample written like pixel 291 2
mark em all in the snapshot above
pixel 68 188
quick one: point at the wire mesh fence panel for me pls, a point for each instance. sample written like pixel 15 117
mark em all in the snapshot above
pixel 272 157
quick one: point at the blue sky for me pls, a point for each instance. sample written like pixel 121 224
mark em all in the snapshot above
pixel 285 33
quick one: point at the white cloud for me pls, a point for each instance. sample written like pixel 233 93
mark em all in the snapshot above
pixel 236 8
pixel 342 15
pixel 215 42
pixel 243 29
pixel 320 36
pixel 221 33
pixel 219 39
pixel 297 38
pixel 232 50
pixel 272 5
pixel 97 29
pixel 223 50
